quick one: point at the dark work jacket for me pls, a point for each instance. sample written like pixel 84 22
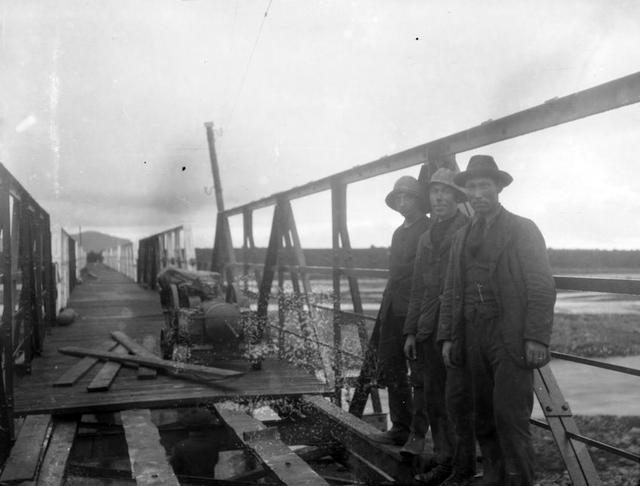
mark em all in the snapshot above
pixel 520 278
pixel 429 274
pixel 401 259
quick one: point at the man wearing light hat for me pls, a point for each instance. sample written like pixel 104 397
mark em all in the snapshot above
pixel 442 397
pixel 408 197
pixel 497 314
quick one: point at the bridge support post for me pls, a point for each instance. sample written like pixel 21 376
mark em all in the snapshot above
pixel 6 364
pixel 342 258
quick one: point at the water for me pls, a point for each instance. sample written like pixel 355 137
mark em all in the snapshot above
pixel 588 390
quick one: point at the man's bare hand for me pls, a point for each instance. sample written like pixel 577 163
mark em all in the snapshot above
pixel 446 354
pixel 536 354
pixel 410 347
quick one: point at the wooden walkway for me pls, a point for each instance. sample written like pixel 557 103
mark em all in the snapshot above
pixel 113 302
pixel 43 452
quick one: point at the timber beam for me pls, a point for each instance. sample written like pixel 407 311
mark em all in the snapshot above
pixel 608 96
pixel 354 434
pixel 265 443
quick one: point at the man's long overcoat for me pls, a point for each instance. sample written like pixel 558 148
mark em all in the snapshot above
pixel 520 278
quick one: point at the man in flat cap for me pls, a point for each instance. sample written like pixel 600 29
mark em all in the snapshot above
pixel 497 314
pixel 408 197
pixel 442 396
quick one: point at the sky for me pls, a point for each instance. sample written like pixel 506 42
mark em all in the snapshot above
pixel 103 105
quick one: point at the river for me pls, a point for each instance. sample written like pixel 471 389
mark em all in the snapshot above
pixel 588 390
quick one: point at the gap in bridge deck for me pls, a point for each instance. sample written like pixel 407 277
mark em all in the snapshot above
pixel 113 302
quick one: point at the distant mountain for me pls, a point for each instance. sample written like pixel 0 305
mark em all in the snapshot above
pixel 96 241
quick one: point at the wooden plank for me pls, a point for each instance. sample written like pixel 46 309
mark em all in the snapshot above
pixel 22 464
pixel 276 456
pixel 132 345
pixel 78 370
pixel 355 434
pixel 149 343
pixel 558 414
pixel 55 459
pixel 105 376
pixel 174 367
pixel 149 464
pixel 143 350
pixel 608 96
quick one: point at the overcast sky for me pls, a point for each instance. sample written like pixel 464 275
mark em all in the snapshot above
pixel 103 104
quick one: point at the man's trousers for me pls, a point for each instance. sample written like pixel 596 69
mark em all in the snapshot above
pixel 503 401
pixel 392 371
pixel 443 399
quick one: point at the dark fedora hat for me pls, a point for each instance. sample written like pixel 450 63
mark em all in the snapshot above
pixel 483 166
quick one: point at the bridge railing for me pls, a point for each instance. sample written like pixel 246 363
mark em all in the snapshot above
pixel 69 258
pixel 285 255
pixel 28 289
pixel 122 258
pixel 173 247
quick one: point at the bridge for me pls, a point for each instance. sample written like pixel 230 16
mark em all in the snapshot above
pixel 112 387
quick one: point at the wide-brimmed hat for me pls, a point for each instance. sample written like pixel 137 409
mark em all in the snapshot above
pixel 408 185
pixel 483 166
pixel 445 176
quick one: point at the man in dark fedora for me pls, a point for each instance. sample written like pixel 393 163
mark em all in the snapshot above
pixel 441 395
pixel 408 197
pixel 497 314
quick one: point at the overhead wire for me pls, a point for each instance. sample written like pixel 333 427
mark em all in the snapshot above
pixel 248 66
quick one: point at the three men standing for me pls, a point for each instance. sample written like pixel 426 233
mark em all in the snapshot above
pixel 496 318
pixel 477 324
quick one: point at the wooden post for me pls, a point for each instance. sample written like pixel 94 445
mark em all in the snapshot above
pixel 247 243
pixel 28 329
pixel 6 363
pixel 217 183
pixel 356 300
pixel 560 420
pixel 271 259
pixel 49 275
pixel 38 281
pixel 338 213
pixel 281 313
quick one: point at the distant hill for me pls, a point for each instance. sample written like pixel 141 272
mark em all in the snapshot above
pixel 561 259
pixel 96 241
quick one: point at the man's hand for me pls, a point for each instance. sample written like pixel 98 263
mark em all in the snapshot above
pixel 446 354
pixel 410 347
pixel 536 354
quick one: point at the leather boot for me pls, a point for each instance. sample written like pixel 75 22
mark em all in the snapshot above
pixel 413 446
pixel 396 435
pixel 492 464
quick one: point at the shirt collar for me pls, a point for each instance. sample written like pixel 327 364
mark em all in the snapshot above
pixel 492 217
pixel 407 226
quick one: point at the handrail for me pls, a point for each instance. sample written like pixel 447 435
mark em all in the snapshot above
pixel 595 363
pixel 28 290
pixel 607 96
pixel 592 442
pixel 172 247
pixel 284 245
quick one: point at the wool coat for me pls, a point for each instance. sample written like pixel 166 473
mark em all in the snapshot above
pixel 521 280
pixel 404 243
pixel 428 281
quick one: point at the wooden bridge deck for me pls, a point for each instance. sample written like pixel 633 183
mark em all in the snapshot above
pixel 113 302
